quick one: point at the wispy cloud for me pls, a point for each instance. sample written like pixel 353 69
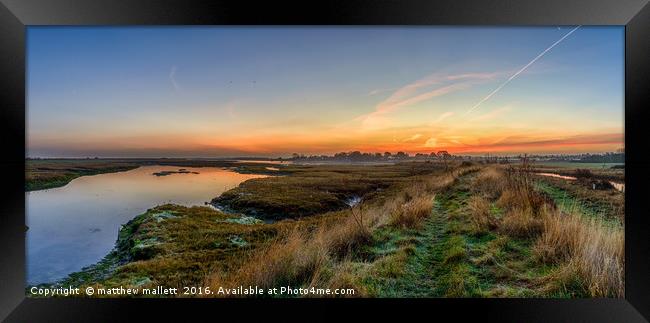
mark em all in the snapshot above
pixel 572 142
pixel 513 76
pixel 378 91
pixel 492 114
pixel 172 78
pixel 431 143
pixel 413 138
pixel 444 116
pixel 422 90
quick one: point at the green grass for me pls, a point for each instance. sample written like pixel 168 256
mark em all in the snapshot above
pixel 570 197
pixel 579 165
pixel 50 173
pixel 448 259
pixel 316 189
pixel 44 174
pixel 174 246
pixel 177 246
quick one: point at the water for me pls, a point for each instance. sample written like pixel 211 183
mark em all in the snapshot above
pixel 353 201
pixel 274 162
pixel 578 165
pixel 76 225
pixel 617 186
pixel 571 178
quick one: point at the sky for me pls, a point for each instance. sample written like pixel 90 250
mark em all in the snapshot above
pixel 273 91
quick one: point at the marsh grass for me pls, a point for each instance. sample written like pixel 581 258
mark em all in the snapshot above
pixel 586 251
pixel 589 247
pixel 489 234
pixel 50 173
pixel 481 215
pixel 318 189
pixel 306 256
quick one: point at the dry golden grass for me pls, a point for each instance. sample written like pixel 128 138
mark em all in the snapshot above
pixel 594 248
pixel 343 276
pixel 310 257
pixel 588 251
pixel 480 215
pixel 521 224
pixel 518 193
pixel 286 261
pixel 416 203
pixel 303 256
pixel 490 183
pixel 411 213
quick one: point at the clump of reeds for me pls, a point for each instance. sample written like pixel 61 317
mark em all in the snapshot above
pixel 521 223
pixel 490 183
pixel 519 192
pixel 286 261
pixel 588 251
pixel 303 256
pixel 481 217
pixel 354 231
pixel 522 203
pixel 411 213
pixel 593 247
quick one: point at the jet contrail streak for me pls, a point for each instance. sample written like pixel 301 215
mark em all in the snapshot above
pixel 520 71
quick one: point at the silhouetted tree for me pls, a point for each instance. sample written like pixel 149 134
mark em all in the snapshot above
pixel 401 154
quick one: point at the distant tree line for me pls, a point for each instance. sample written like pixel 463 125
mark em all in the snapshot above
pixel 603 158
pixel 358 156
pixel 366 156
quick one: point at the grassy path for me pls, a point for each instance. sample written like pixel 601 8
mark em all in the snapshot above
pixel 444 258
pixel 408 271
pixel 424 262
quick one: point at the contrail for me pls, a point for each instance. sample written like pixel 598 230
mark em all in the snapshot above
pixel 520 71
pixel 172 78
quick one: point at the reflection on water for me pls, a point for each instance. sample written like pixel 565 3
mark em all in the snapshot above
pixel 557 176
pixel 617 186
pixel 76 225
pixel 275 162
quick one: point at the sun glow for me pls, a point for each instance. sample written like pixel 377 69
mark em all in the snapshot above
pixel 207 98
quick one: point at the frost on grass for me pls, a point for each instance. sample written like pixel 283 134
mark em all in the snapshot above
pixel 163 215
pixel 238 241
pixel 247 220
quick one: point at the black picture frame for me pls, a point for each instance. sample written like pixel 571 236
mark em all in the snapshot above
pixel 15 15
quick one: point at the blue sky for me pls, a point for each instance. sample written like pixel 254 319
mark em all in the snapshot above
pixel 234 91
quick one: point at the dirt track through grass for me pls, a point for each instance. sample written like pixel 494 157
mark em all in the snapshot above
pixel 427 270
pixel 446 259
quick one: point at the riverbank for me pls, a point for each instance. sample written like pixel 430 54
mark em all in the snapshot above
pixel 51 173
pixel 144 243
pixel 172 245
pixel 314 189
pixel 418 230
